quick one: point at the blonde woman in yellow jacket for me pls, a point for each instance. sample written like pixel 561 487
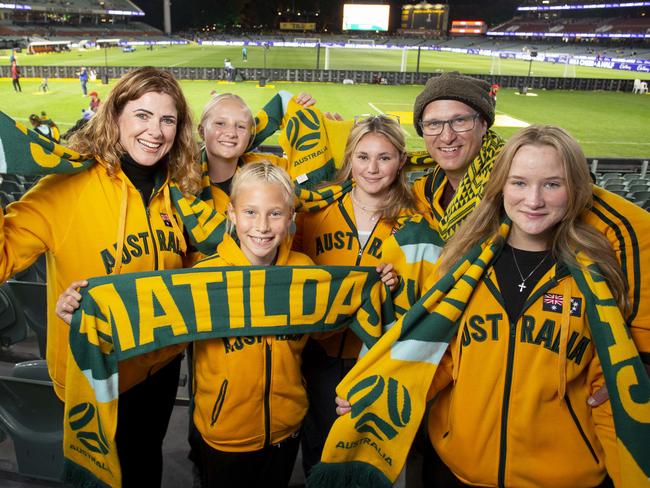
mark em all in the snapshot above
pixel 510 397
pixel 352 231
pixel 115 217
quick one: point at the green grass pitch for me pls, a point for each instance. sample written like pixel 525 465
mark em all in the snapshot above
pixel 194 55
pixel 607 124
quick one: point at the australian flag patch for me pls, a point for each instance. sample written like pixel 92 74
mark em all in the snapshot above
pixel 554 303
pixel 165 219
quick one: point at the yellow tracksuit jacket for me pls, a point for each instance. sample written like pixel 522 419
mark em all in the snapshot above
pixel 79 221
pixel 329 237
pixel 248 391
pixel 500 421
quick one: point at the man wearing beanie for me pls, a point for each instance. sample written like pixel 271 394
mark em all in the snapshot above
pixel 454 114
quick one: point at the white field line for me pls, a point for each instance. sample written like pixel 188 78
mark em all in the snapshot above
pixel 376 109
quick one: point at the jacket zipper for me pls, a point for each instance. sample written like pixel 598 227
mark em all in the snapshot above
pixel 153 238
pixel 267 395
pixel 503 447
pixel 218 404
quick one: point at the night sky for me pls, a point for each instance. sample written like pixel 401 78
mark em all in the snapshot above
pixel 197 13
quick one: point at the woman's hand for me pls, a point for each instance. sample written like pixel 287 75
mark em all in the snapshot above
pixel 69 300
pixel 333 116
pixel 305 99
pixel 389 276
pixel 342 406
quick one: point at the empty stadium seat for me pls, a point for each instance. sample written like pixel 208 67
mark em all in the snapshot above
pixel 615 186
pixel 32 296
pixel 640 87
pixel 13 328
pixel 639 196
pixel 32 415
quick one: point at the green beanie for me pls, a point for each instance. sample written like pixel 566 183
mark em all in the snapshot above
pixel 454 86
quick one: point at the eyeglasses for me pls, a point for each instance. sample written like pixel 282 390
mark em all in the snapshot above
pixel 457 124
pixel 358 119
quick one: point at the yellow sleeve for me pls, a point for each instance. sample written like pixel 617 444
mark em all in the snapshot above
pixel 34 224
pixel 627 227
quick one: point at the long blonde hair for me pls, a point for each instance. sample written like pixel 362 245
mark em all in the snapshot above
pixel 101 136
pixel 571 233
pixel 399 194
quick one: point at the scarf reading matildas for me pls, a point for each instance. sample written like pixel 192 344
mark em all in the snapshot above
pixel 126 315
pixel 387 388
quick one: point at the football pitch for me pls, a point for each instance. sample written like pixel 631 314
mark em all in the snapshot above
pixel 607 124
pixel 194 55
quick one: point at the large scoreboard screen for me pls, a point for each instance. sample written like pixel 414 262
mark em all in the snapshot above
pixel 365 17
pixel 425 17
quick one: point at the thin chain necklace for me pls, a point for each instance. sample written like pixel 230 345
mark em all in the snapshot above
pixel 372 211
pixel 522 285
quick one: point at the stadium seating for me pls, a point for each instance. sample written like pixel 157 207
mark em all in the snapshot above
pixel 33 299
pixel 32 415
pixel 13 326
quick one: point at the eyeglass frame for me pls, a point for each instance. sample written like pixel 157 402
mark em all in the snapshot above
pixel 363 117
pixel 468 117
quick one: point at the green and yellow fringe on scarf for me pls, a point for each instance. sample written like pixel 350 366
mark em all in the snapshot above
pixel 470 189
pixel 388 386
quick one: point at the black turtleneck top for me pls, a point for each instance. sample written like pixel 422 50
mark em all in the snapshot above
pixel 143 177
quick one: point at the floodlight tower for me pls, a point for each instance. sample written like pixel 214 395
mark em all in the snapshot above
pixel 167 19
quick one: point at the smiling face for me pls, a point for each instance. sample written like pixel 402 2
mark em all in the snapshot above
pixel 147 127
pixel 262 216
pixel 375 163
pixel 535 197
pixel 226 130
pixel 453 151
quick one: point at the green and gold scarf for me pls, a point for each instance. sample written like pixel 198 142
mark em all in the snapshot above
pixel 126 315
pixel 470 189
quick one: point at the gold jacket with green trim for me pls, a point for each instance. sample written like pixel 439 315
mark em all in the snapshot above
pixel 511 411
pixel 248 391
pixel 79 221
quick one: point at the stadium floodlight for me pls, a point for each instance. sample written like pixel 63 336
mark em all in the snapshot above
pixel 538 8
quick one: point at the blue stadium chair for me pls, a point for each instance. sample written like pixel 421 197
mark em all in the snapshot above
pixel 615 186
pixel 32 296
pixel 13 326
pixel 5 198
pixel 32 416
pixel 12 186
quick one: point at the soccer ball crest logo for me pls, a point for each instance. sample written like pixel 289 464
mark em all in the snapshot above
pixel 396 406
pixel 309 119
pixel 79 417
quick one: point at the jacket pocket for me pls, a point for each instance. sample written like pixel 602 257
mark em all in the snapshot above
pixel 218 404
pixel 580 429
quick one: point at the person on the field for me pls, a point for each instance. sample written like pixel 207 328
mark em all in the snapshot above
pixel 15 76
pixel 83 81
pixel 107 220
